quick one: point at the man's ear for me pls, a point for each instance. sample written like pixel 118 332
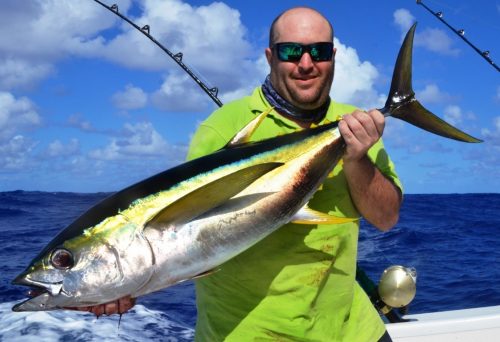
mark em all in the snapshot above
pixel 269 55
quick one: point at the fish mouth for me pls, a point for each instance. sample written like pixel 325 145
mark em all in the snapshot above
pixel 37 303
pixel 53 288
pixel 40 294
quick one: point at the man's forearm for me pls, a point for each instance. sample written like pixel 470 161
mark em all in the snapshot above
pixel 376 197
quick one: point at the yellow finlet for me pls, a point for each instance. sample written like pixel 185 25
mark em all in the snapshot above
pixel 307 215
pixel 206 273
pixel 246 132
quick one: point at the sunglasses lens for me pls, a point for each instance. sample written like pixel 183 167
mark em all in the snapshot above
pixel 289 52
pixel 292 52
pixel 321 51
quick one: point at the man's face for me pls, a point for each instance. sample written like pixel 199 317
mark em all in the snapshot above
pixel 305 83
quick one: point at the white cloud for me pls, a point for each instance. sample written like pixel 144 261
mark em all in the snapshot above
pixel 255 73
pixel 16 114
pixel 203 41
pixel 355 80
pixel 76 121
pixel 139 141
pixel 178 92
pixel 15 153
pixel 403 18
pixel 435 40
pixel 59 149
pixel 39 33
pixel 497 123
pixel 47 31
pixel 192 30
pixel 453 115
pixel 50 29
pixel 432 94
pixel 493 136
pixel 16 73
pixel 130 98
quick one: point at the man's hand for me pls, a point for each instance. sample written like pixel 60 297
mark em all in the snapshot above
pixel 119 306
pixel 361 130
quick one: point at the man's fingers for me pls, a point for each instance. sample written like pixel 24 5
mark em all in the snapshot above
pixel 366 127
pixel 97 310
pixel 378 119
pixel 355 131
pixel 345 131
pixel 354 122
pixel 119 306
pixel 125 304
pixel 368 122
pixel 111 308
pixel 360 131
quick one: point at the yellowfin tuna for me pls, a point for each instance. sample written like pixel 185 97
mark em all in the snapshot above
pixel 186 221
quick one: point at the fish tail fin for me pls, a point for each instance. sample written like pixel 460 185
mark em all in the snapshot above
pixel 402 104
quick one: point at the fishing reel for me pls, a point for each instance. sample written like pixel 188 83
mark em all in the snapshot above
pixel 394 292
pixel 396 289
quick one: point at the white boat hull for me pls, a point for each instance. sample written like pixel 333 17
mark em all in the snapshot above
pixel 477 325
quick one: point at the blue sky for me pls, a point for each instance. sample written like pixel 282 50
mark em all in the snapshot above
pixel 88 104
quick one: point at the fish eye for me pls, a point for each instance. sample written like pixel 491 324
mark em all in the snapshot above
pixel 62 259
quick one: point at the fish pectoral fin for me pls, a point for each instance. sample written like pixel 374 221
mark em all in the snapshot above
pixel 206 273
pixel 208 196
pixel 244 135
pixel 307 215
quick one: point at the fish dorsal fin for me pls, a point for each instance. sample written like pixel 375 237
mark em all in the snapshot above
pixel 246 132
pixel 307 215
pixel 208 196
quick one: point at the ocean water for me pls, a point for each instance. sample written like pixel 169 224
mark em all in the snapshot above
pixel 452 240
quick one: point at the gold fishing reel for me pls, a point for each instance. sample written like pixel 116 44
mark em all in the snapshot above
pixel 397 287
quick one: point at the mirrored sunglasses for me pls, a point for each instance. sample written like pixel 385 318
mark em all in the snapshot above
pixel 292 52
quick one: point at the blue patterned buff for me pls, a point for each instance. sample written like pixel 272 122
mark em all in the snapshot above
pixel 288 110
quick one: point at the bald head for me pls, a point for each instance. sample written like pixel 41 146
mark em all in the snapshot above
pixel 297 16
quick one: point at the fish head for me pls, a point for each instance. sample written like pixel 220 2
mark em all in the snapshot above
pixel 89 269
pixel 66 277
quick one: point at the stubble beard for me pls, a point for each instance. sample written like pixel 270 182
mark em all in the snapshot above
pixel 310 100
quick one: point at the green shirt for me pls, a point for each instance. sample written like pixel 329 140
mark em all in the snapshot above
pixel 297 284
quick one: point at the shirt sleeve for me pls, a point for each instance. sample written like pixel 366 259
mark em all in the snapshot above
pixel 378 155
pixel 205 141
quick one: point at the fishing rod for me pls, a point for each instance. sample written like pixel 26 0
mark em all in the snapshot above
pixel 461 33
pixel 145 30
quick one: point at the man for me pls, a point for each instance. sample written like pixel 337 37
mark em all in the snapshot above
pixel 299 283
